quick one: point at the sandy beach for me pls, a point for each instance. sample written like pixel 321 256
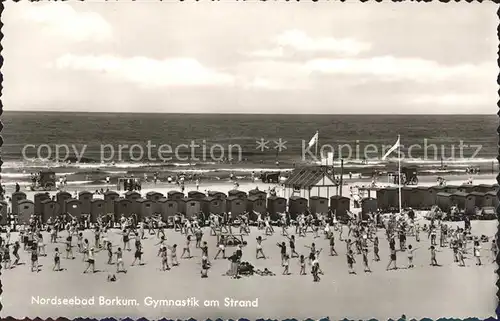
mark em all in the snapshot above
pixel 363 296
pixel 447 290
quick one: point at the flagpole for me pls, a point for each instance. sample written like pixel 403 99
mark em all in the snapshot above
pixel 317 141
pixel 399 173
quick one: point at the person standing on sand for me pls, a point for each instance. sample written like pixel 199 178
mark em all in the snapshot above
pixel 433 256
pixel 259 249
pixel 57 260
pixel 365 260
pixel 350 262
pixel 494 249
pixel 269 229
pixel 477 252
pixel 392 259
pixel 15 253
pixel 286 263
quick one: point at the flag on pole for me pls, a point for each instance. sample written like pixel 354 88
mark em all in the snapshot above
pixel 393 148
pixel 313 140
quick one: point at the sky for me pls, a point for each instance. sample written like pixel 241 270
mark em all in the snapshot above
pixel 249 57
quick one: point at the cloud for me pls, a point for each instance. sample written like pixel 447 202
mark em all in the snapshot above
pixel 277 52
pixel 300 41
pixel 454 99
pixel 61 19
pixel 148 72
pixel 390 68
pixel 273 75
pixel 265 84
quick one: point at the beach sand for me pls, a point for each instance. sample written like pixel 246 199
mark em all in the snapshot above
pixel 425 291
pixel 447 291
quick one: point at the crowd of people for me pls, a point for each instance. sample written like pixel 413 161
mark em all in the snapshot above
pixel 68 237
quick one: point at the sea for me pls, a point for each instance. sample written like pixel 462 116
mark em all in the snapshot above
pixel 123 142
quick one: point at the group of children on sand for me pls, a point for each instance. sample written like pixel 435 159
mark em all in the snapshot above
pixel 361 237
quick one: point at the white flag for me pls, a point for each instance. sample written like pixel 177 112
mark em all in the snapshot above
pixel 393 148
pixel 313 140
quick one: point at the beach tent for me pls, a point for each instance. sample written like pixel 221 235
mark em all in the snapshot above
pixel 50 209
pixel 466 188
pixel 478 199
pixel 318 204
pixel 175 195
pixel 258 193
pixel 154 196
pixel 190 206
pixel 74 208
pixel 443 201
pixel 61 198
pixel 144 208
pixel 256 204
pixel 218 195
pixel 16 198
pixel 465 202
pixel 392 197
pixel 85 198
pixel 428 196
pixel 368 206
pixel 297 205
pixel 493 199
pixel 25 210
pixel 488 199
pixel 237 193
pixel 123 207
pixel 4 214
pixel 450 189
pixel 275 205
pixel 382 199
pixel 485 188
pixel 97 209
pixel 340 205
pixel 196 195
pixel 236 205
pixel 458 199
pixel 110 198
pixel 169 208
pixel 477 188
pixel 39 198
pixel 470 204
pixel 434 190
pixel 419 198
pixel 132 195
pixel 406 193
pixel 212 205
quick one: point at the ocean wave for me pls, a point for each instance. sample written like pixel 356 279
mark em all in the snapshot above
pixel 453 162
pixel 26 175
pixel 442 171
pixel 11 183
pixel 204 167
